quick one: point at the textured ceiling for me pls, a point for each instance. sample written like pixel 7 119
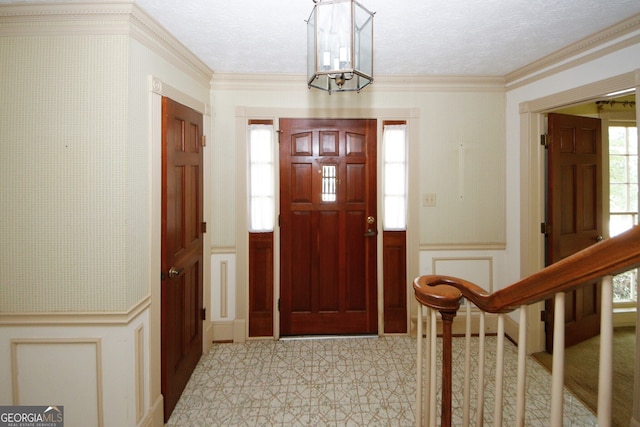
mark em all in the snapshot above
pixel 420 37
pixel 453 37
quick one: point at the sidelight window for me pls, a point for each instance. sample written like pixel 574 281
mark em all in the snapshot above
pixel 394 158
pixel 261 177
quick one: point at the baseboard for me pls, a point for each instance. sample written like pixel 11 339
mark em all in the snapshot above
pixel 624 317
pixel 239 330
pixel 155 416
pixel 222 331
pixel 511 329
pixel 229 331
pixel 207 337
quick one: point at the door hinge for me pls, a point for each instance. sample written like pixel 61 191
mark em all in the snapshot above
pixel 204 227
pixel 203 140
pixel 203 313
pixel 544 316
pixel 544 140
pixel 278 304
pixel 278 220
pixel 545 228
pixel 279 132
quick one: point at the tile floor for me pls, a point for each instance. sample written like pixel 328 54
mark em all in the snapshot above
pixel 363 381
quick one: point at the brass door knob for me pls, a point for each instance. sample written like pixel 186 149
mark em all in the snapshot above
pixel 175 272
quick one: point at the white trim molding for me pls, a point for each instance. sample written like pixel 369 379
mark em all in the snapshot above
pixel 75 318
pixel 161 88
pixel 65 358
pixel 615 37
pixel 122 18
pixel 396 83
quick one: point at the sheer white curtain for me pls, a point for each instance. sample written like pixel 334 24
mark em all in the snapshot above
pixel 394 158
pixel 261 178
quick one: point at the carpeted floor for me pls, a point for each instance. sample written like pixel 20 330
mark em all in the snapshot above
pixel 581 372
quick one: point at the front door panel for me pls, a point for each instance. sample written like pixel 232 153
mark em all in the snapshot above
pixel 328 226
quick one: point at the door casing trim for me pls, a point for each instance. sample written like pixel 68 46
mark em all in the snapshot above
pixel 532 179
pixel 242 114
pixel 157 89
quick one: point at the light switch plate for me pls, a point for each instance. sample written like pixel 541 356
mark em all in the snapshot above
pixel 429 200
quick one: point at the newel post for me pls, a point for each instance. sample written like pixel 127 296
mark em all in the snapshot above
pixel 446 300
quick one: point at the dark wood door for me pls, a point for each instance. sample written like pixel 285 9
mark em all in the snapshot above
pixel 328 227
pixel 574 209
pixel 182 244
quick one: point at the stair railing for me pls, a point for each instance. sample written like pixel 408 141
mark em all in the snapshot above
pixel 444 294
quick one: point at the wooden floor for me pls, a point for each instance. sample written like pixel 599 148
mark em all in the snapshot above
pixel 581 372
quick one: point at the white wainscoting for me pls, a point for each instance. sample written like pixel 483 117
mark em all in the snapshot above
pixel 50 371
pixel 96 366
pixel 484 267
pixel 223 295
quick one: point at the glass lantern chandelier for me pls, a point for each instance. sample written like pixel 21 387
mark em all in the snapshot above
pixel 340 46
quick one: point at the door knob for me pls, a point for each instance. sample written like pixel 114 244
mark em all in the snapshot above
pixel 175 272
pixel 371 231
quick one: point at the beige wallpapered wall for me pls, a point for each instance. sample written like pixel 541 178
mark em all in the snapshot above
pixel 64 173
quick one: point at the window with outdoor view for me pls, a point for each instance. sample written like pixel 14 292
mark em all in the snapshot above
pixel 394 160
pixel 261 181
pixel 623 200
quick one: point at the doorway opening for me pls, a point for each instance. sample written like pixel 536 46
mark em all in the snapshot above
pixel 620 191
pixel 617 188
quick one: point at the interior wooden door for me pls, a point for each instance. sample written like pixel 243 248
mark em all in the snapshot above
pixel 574 211
pixel 328 227
pixel 182 245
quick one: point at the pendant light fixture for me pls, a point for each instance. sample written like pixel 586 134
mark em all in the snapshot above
pixel 340 46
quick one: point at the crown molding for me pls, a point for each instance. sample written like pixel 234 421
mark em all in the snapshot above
pixel 600 39
pixel 101 18
pixel 436 83
pixel 385 83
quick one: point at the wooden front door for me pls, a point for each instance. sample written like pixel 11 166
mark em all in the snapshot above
pixel 574 212
pixel 328 227
pixel 182 244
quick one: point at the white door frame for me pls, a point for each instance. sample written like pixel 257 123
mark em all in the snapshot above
pixel 532 163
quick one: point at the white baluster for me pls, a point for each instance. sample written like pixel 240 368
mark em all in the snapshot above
pixel 557 379
pixel 605 373
pixel 497 409
pixel 432 367
pixel 467 367
pixel 419 368
pixel 480 391
pixel 522 368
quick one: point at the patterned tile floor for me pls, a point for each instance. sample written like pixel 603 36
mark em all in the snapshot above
pixel 364 381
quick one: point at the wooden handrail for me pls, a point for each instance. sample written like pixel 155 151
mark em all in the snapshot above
pixel 444 293
pixel 608 257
